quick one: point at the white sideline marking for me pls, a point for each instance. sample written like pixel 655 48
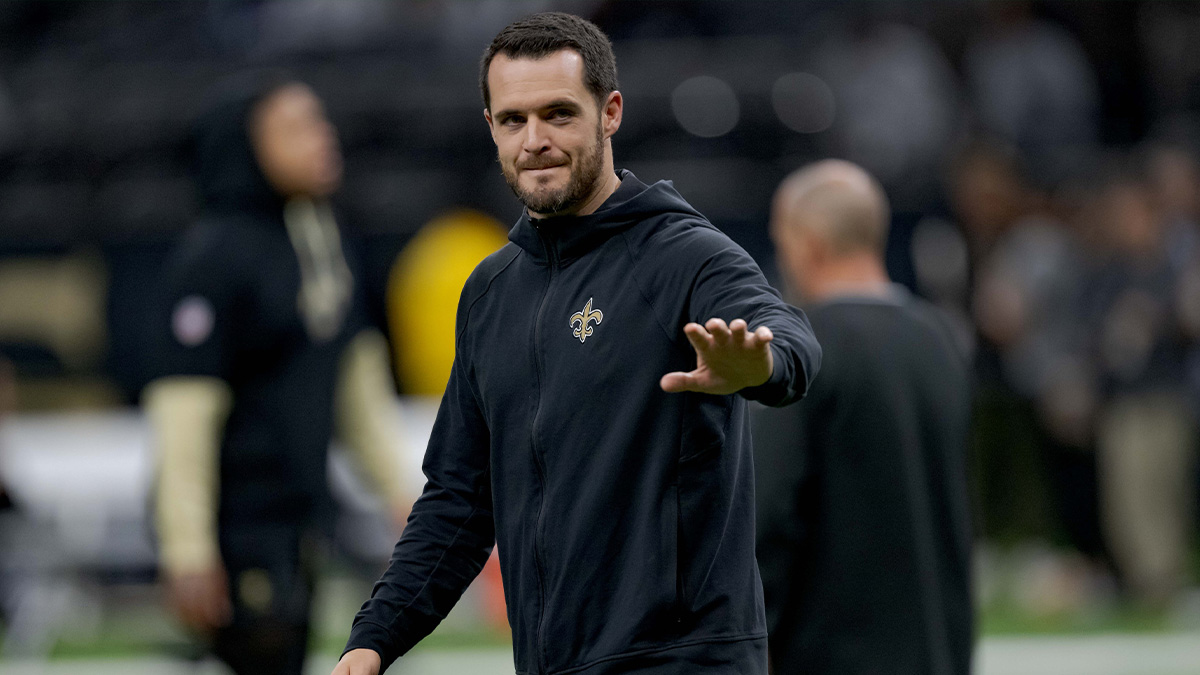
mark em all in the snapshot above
pixel 1175 654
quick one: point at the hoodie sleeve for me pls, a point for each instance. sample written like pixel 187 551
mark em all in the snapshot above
pixel 726 283
pixel 691 272
pixel 449 535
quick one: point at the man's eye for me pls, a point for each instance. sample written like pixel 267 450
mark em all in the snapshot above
pixel 512 121
pixel 560 114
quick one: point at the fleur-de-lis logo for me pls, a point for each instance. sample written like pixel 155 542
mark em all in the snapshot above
pixel 581 321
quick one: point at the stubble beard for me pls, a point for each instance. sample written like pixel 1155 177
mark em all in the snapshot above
pixel 579 187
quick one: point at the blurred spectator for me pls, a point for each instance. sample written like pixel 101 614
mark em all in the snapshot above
pixel 897 105
pixel 989 192
pixel 1026 306
pixel 1031 82
pixel 263 351
pixel 1038 385
pixel 864 535
pixel 1146 431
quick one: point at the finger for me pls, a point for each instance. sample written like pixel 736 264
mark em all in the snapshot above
pixel 719 330
pixel 701 339
pixel 737 333
pixel 764 334
pixel 675 383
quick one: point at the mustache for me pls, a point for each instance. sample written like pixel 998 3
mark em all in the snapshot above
pixel 541 163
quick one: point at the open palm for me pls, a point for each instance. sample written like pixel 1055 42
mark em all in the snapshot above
pixel 729 358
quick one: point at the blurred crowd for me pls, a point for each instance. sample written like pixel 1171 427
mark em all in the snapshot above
pixel 1043 162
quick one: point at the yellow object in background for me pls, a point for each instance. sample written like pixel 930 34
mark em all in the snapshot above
pixel 422 294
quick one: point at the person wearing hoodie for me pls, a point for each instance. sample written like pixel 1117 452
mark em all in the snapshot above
pixel 594 427
pixel 261 353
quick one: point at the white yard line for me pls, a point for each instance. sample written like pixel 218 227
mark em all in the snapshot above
pixel 1176 654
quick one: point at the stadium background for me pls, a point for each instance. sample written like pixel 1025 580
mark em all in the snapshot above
pixel 1023 146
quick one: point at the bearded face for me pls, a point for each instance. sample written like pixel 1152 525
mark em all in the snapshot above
pixel 539 181
pixel 551 132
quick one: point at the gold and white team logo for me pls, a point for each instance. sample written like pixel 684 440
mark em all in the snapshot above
pixel 581 321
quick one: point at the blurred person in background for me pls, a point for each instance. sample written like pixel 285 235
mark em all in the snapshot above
pixel 594 428
pixel 864 535
pixel 990 193
pixel 263 353
pixel 1146 427
pixel 897 106
pixel 1037 385
pixel 1030 81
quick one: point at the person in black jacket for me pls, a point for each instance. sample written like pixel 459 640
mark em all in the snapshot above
pixel 262 352
pixel 863 519
pixel 594 427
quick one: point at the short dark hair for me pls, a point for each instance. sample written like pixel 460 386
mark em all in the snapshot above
pixel 543 34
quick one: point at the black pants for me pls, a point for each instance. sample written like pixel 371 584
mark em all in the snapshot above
pixel 271 572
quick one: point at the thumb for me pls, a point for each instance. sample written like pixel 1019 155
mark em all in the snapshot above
pixel 678 382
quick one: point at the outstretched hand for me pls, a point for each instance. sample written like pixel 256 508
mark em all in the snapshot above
pixel 728 358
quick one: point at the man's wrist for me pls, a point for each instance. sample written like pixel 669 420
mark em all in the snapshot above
pixel 374 637
pixel 774 389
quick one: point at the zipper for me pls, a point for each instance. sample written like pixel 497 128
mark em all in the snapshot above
pixel 537 457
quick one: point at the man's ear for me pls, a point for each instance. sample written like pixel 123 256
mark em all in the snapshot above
pixel 610 113
pixel 487 116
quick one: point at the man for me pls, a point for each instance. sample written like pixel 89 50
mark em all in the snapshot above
pixel 594 426
pixel 864 539
pixel 262 352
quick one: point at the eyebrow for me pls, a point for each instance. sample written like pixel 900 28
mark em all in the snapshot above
pixel 558 103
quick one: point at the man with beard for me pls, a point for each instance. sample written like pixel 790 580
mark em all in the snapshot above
pixel 594 427
pixel 863 516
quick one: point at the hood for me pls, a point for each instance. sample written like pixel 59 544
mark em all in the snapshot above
pixel 227 172
pixel 568 237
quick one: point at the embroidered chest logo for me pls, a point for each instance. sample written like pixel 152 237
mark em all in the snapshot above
pixel 581 321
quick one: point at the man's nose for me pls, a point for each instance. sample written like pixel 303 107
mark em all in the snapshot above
pixel 536 140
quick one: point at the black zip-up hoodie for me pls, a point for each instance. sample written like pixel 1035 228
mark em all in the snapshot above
pixel 624 515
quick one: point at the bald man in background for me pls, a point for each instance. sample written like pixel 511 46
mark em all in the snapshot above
pixel 864 537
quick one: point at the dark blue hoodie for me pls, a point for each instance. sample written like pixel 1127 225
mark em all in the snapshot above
pixel 624 515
